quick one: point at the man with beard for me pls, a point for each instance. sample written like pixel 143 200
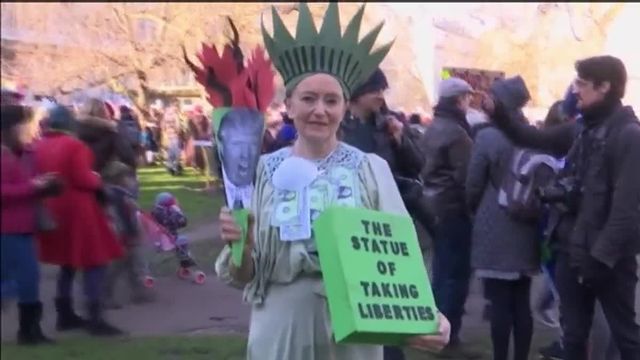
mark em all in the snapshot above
pixel 597 204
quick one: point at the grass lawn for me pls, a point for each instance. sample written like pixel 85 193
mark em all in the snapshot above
pixel 199 204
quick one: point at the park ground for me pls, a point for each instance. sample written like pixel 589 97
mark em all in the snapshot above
pixel 187 321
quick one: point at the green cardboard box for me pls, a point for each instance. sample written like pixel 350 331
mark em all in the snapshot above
pixel 377 286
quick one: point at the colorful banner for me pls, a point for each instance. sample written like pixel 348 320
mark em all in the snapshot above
pixel 480 80
pixel 375 279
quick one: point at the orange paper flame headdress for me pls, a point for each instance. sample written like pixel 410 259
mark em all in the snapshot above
pixel 228 82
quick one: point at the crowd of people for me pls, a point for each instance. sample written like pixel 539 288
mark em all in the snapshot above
pixel 498 198
pixel 69 199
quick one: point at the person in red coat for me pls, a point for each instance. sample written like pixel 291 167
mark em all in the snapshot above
pixel 83 238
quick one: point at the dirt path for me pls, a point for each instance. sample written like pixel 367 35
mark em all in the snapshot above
pixel 185 308
pixel 180 308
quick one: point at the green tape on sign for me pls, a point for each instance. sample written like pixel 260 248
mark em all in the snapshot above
pixel 377 286
pixel 237 248
pixel 216 117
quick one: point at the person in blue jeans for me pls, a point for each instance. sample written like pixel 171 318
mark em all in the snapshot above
pixel 20 192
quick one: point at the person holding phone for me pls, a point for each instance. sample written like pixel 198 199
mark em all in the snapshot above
pixel 21 191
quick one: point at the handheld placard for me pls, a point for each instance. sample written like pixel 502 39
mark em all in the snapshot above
pixel 240 90
pixel 237 249
pixel 234 179
pixel 375 279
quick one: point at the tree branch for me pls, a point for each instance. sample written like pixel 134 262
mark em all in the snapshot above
pixel 572 25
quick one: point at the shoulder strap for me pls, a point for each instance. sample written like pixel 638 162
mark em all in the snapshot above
pixel 500 168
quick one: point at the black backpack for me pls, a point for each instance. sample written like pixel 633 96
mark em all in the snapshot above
pixel 524 172
pixel 128 126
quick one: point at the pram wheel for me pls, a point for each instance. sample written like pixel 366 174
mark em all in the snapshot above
pixel 199 277
pixel 184 273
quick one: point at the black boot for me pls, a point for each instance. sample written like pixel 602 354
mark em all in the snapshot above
pixel 67 318
pixel 30 332
pixel 97 326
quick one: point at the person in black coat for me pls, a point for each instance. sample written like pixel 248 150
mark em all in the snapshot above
pixel 596 201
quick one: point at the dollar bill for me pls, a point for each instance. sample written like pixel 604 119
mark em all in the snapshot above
pixel 301 229
pixel 288 206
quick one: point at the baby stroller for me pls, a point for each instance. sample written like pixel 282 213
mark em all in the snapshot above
pixel 160 240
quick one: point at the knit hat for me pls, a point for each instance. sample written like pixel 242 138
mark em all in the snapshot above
pixel 61 118
pixel 165 199
pixel 511 92
pixel 376 82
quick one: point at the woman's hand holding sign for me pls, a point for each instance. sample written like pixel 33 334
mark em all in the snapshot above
pixel 435 342
pixel 230 234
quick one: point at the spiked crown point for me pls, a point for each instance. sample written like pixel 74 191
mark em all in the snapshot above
pixel 326 50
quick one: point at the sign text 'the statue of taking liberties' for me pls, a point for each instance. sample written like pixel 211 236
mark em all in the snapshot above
pixel 376 283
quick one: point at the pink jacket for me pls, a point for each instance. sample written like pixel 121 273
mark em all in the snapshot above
pixel 18 196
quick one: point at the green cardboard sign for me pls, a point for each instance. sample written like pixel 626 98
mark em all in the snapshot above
pixel 216 117
pixel 237 249
pixel 375 279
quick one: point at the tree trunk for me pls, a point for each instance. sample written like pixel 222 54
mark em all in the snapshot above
pixel 141 99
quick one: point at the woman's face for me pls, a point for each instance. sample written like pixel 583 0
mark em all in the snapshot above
pixel 317 106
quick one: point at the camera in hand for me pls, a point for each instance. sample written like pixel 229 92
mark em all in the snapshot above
pixel 564 192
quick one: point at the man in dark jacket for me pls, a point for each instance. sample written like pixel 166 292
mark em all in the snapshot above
pixel 598 227
pixel 129 127
pixel 370 127
pixel 447 144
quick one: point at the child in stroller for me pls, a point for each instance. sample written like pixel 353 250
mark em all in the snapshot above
pixel 167 213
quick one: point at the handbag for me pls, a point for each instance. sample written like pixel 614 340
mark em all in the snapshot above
pixel 417 203
pixel 44 219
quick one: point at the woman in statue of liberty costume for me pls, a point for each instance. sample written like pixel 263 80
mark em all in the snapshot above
pixel 280 270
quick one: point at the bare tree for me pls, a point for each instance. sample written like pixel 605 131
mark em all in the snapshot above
pixel 545 54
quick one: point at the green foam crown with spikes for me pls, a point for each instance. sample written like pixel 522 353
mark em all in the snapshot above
pixel 350 61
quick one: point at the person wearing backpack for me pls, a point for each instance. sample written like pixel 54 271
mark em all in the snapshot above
pixel 129 127
pixel 505 248
pixel 130 130
pixel 597 201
